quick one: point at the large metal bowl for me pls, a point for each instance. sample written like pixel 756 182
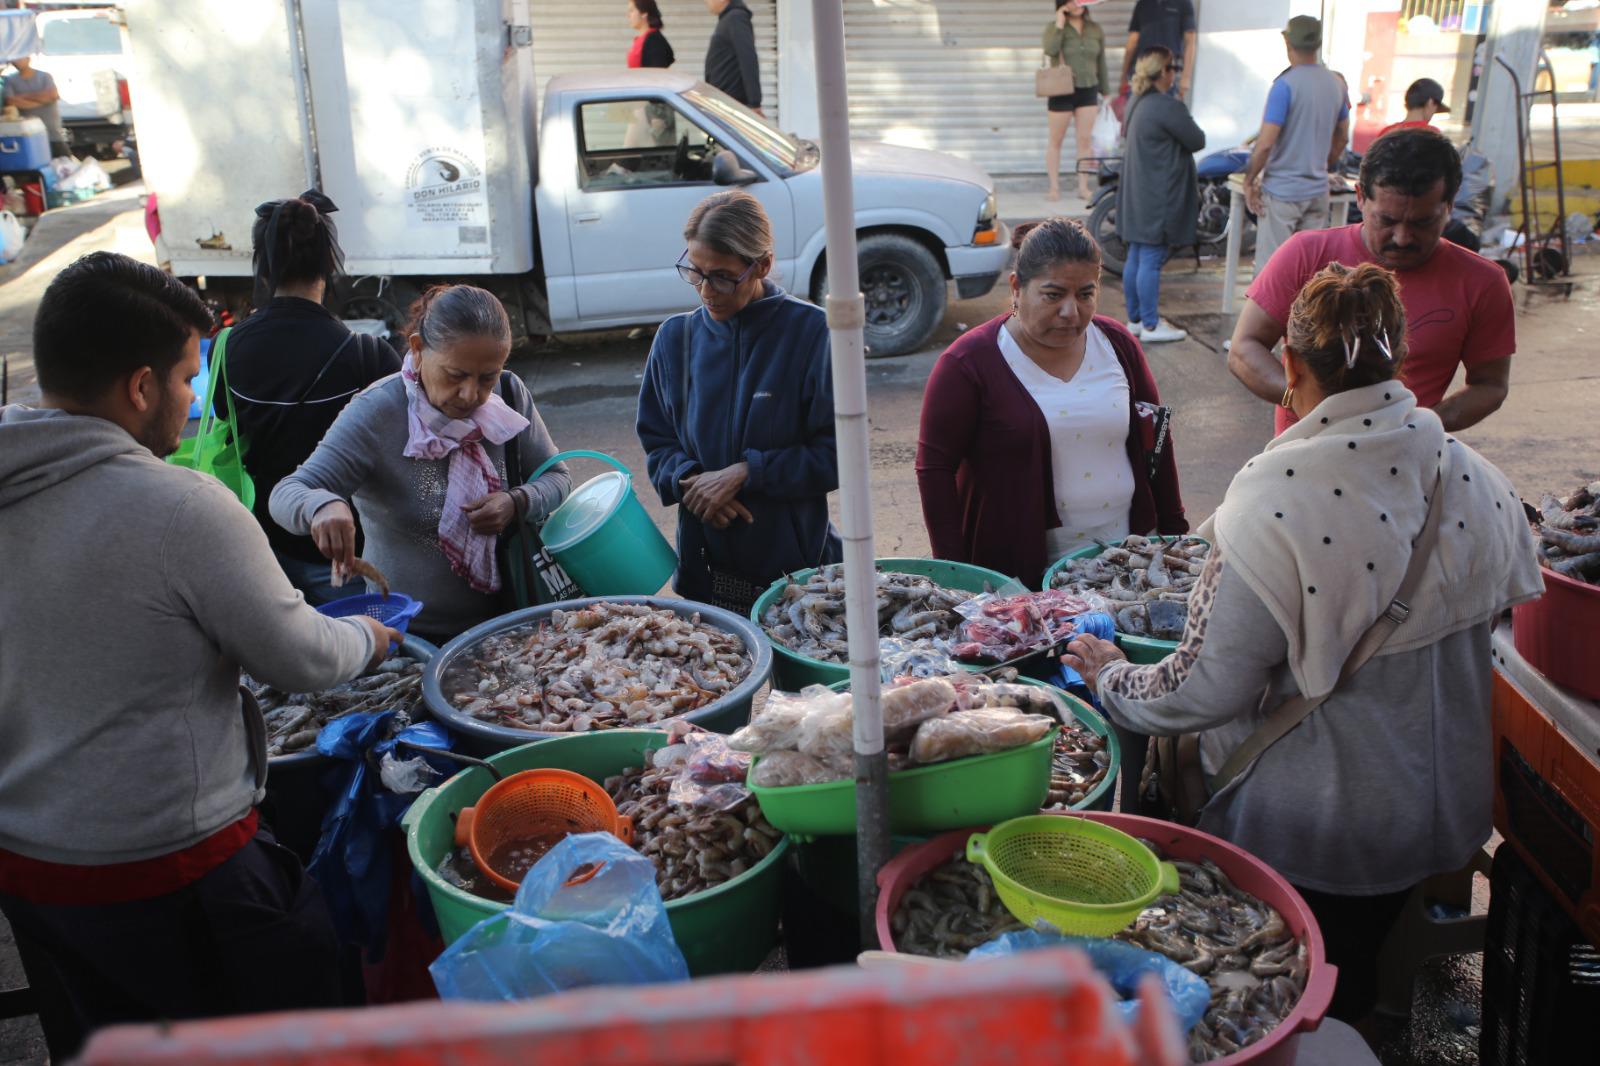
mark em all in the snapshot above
pixel 486 738
pixel 298 797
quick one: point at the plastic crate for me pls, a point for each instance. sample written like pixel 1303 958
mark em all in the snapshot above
pixel 1541 988
pixel 1547 799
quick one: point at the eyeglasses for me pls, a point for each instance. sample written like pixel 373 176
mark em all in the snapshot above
pixel 720 283
pixel 1169 67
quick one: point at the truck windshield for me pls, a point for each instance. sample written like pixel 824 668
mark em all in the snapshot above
pixel 81 37
pixel 781 151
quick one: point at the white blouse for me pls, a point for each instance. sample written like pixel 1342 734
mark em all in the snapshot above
pixel 1088 420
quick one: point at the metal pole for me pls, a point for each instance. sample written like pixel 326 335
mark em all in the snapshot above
pixel 846 317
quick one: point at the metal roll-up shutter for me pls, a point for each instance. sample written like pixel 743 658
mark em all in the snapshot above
pixel 957 75
pixel 571 36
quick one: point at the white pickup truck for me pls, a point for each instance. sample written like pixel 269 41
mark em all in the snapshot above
pixel 432 162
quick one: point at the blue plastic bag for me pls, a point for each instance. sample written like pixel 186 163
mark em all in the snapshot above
pixel 1120 964
pixel 352 863
pixel 608 930
pixel 1096 624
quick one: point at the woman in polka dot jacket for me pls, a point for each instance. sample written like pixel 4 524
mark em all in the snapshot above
pixel 1388 781
pixel 1032 442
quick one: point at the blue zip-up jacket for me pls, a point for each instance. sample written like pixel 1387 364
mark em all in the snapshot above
pixel 758 388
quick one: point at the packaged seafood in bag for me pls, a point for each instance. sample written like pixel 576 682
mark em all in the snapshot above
pixel 783 769
pixel 829 732
pixel 907 706
pixel 898 658
pixel 711 775
pixel 1001 628
pixel 776 727
pixel 978 732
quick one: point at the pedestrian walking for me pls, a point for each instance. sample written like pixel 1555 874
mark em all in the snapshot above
pixel 731 61
pixel 1074 40
pixel 1168 24
pixel 138 881
pixel 1158 197
pixel 736 414
pixel 650 47
pixel 1042 430
pixel 422 456
pixel 1459 311
pixel 293 365
pixel 1424 99
pixel 34 94
pixel 1303 133
pixel 1313 545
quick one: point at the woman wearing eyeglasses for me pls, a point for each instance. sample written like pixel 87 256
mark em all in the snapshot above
pixel 1158 197
pixel 736 414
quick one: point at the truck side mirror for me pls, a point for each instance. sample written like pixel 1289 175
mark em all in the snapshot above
pixel 726 170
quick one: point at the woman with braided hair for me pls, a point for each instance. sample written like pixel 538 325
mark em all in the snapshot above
pixel 422 455
pixel 1335 663
pixel 293 365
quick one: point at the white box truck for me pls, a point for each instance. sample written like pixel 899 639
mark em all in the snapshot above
pixel 418 118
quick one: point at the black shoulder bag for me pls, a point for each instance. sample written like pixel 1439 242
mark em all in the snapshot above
pixel 521 553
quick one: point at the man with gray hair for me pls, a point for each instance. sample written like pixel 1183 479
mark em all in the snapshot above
pixel 1303 132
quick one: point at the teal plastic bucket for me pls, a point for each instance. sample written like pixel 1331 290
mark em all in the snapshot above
pixel 602 536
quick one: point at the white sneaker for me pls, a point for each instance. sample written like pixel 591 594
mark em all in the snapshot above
pixel 1135 328
pixel 1164 332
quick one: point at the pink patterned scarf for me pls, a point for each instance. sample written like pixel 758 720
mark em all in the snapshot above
pixel 471 476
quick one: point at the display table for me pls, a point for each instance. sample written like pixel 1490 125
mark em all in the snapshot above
pixel 1339 202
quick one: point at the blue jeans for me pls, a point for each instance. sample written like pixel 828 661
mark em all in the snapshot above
pixel 315 580
pixel 1141 282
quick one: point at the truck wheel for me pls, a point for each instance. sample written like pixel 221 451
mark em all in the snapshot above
pixel 905 292
pixel 1103 228
pixel 390 301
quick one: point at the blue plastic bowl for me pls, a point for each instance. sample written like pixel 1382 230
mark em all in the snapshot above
pixel 394 610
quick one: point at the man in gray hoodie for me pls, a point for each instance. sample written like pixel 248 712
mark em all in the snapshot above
pixel 133 870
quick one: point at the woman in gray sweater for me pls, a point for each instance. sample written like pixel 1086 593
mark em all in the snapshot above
pixel 1158 199
pixel 422 454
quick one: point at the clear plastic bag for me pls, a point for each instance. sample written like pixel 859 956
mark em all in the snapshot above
pixel 829 731
pixel 977 732
pixel 1123 965
pixel 776 727
pixel 1002 628
pixel 783 769
pixel 565 931
pixel 712 775
pixel 898 657
pixel 905 707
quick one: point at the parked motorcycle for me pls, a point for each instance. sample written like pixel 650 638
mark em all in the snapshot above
pixel 1211 228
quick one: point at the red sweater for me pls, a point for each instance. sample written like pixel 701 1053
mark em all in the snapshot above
pixel 983 457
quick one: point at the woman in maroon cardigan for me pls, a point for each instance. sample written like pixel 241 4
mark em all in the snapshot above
pixel 1024 413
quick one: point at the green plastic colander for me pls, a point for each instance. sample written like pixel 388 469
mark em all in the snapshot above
pixel 1075 875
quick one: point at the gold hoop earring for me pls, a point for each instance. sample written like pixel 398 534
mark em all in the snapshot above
pixel 1288 398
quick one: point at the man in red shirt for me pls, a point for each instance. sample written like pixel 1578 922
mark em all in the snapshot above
pixel 1424 99
pixel 1458 304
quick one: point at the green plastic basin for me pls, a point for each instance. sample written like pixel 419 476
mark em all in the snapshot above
pixel 602 535
pixel 1137 649
pixel 727 929
pixel 792 671
pixel 930 799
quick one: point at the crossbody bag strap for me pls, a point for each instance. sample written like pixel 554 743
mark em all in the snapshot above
pixel 1293 711
pixel 326 364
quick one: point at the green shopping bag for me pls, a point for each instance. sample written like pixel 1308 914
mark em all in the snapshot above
pixel 215 448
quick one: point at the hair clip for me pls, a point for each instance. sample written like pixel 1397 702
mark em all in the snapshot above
pixel 1352 354
pixel 1382 341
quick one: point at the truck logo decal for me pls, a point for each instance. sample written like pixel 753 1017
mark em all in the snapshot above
pixel 446 186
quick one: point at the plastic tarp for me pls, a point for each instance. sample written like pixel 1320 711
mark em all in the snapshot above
pixel 19 35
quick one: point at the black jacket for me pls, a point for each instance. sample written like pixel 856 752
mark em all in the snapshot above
pixel 657 52
pixel 731 63
pixel 273 357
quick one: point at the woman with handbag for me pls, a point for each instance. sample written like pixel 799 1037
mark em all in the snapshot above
pixel 1158 196
pixel 736 414
pixel 292 366
pixel 1072 81
pixel 423 454
pixel 1336 662
pixel 1042 430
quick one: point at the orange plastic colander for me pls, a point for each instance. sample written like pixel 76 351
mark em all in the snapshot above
pixel 531 810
